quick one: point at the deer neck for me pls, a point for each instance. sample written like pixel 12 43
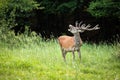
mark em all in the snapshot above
pixel 78 40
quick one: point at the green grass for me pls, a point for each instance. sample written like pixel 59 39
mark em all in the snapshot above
pixel 44 62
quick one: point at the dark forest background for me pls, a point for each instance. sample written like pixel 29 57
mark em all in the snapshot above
pixel 51 18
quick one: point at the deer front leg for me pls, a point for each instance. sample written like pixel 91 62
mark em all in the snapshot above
pixel 79 54
pixel 64 54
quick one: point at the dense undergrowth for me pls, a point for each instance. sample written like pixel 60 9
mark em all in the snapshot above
pixel 28 57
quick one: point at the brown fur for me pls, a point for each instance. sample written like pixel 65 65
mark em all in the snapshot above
pixel 66 42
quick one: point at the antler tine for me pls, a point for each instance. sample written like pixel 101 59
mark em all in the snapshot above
pixel 83 26
pixel 80 26
pixel 76 23
pixel 88 26
pixel 96 27
pixel 80 23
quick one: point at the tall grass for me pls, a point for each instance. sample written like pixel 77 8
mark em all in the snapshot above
pixel 26 57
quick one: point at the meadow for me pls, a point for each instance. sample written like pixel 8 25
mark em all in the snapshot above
pixel 35 59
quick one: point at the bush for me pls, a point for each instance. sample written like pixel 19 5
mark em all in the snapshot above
pixel 25 39
pixel 104 8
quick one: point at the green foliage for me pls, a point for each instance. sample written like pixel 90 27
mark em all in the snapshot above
pixel 23 10
pixel 49 5
pixel 23 7
pixel 21 40
pixel 61 6
pixel 117 50
pixel 15 12
pixel 3 5
pixel 66 7
pixel 104 8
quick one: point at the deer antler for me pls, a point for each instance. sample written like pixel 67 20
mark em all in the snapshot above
pixel 84 27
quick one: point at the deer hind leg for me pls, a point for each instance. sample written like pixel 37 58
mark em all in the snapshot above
pixel 73 55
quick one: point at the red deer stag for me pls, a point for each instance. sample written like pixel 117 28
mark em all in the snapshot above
pixel 73 43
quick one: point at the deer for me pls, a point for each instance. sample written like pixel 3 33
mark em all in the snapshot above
pixel 73 43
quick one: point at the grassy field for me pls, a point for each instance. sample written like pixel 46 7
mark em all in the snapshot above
pixel 45 62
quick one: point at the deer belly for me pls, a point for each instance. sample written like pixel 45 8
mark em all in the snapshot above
pixel 68 47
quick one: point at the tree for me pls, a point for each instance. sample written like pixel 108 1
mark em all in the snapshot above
pixel 16 12
pixel 62 6
pixel 105 8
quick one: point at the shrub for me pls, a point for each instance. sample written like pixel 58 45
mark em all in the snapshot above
pixel 20 40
